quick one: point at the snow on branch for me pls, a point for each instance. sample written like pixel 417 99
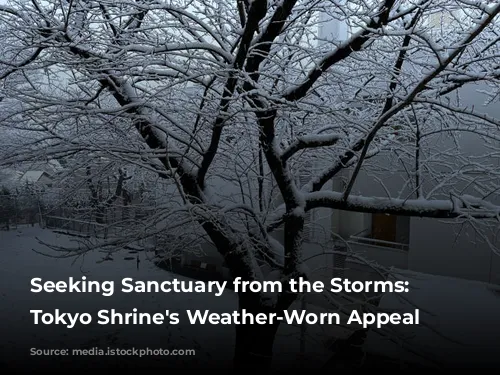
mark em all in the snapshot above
pixel 455 207
pixel 179 47
pixel 310 141
pixel 355 43
pixel 19 65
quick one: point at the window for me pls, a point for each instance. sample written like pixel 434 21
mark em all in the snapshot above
pixel 391 228
pixel 384 227
pixel 383 230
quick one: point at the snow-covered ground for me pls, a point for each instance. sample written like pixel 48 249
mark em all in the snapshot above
pixel 459 323
pixel 19 264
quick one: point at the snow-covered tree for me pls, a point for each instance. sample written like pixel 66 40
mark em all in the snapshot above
pixel 249 118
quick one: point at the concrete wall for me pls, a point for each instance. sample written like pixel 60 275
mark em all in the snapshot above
pixel 331 30
pixel 453 250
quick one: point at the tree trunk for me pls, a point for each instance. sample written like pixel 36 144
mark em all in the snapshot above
pixel 254 342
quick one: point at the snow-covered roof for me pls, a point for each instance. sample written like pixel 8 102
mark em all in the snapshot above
pixel 459 322
pixel 32 176
pixel 55 165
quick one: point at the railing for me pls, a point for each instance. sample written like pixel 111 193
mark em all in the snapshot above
pixel 365 240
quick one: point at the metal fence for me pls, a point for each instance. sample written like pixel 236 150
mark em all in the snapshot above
pixel 32 208
pixel 89 222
